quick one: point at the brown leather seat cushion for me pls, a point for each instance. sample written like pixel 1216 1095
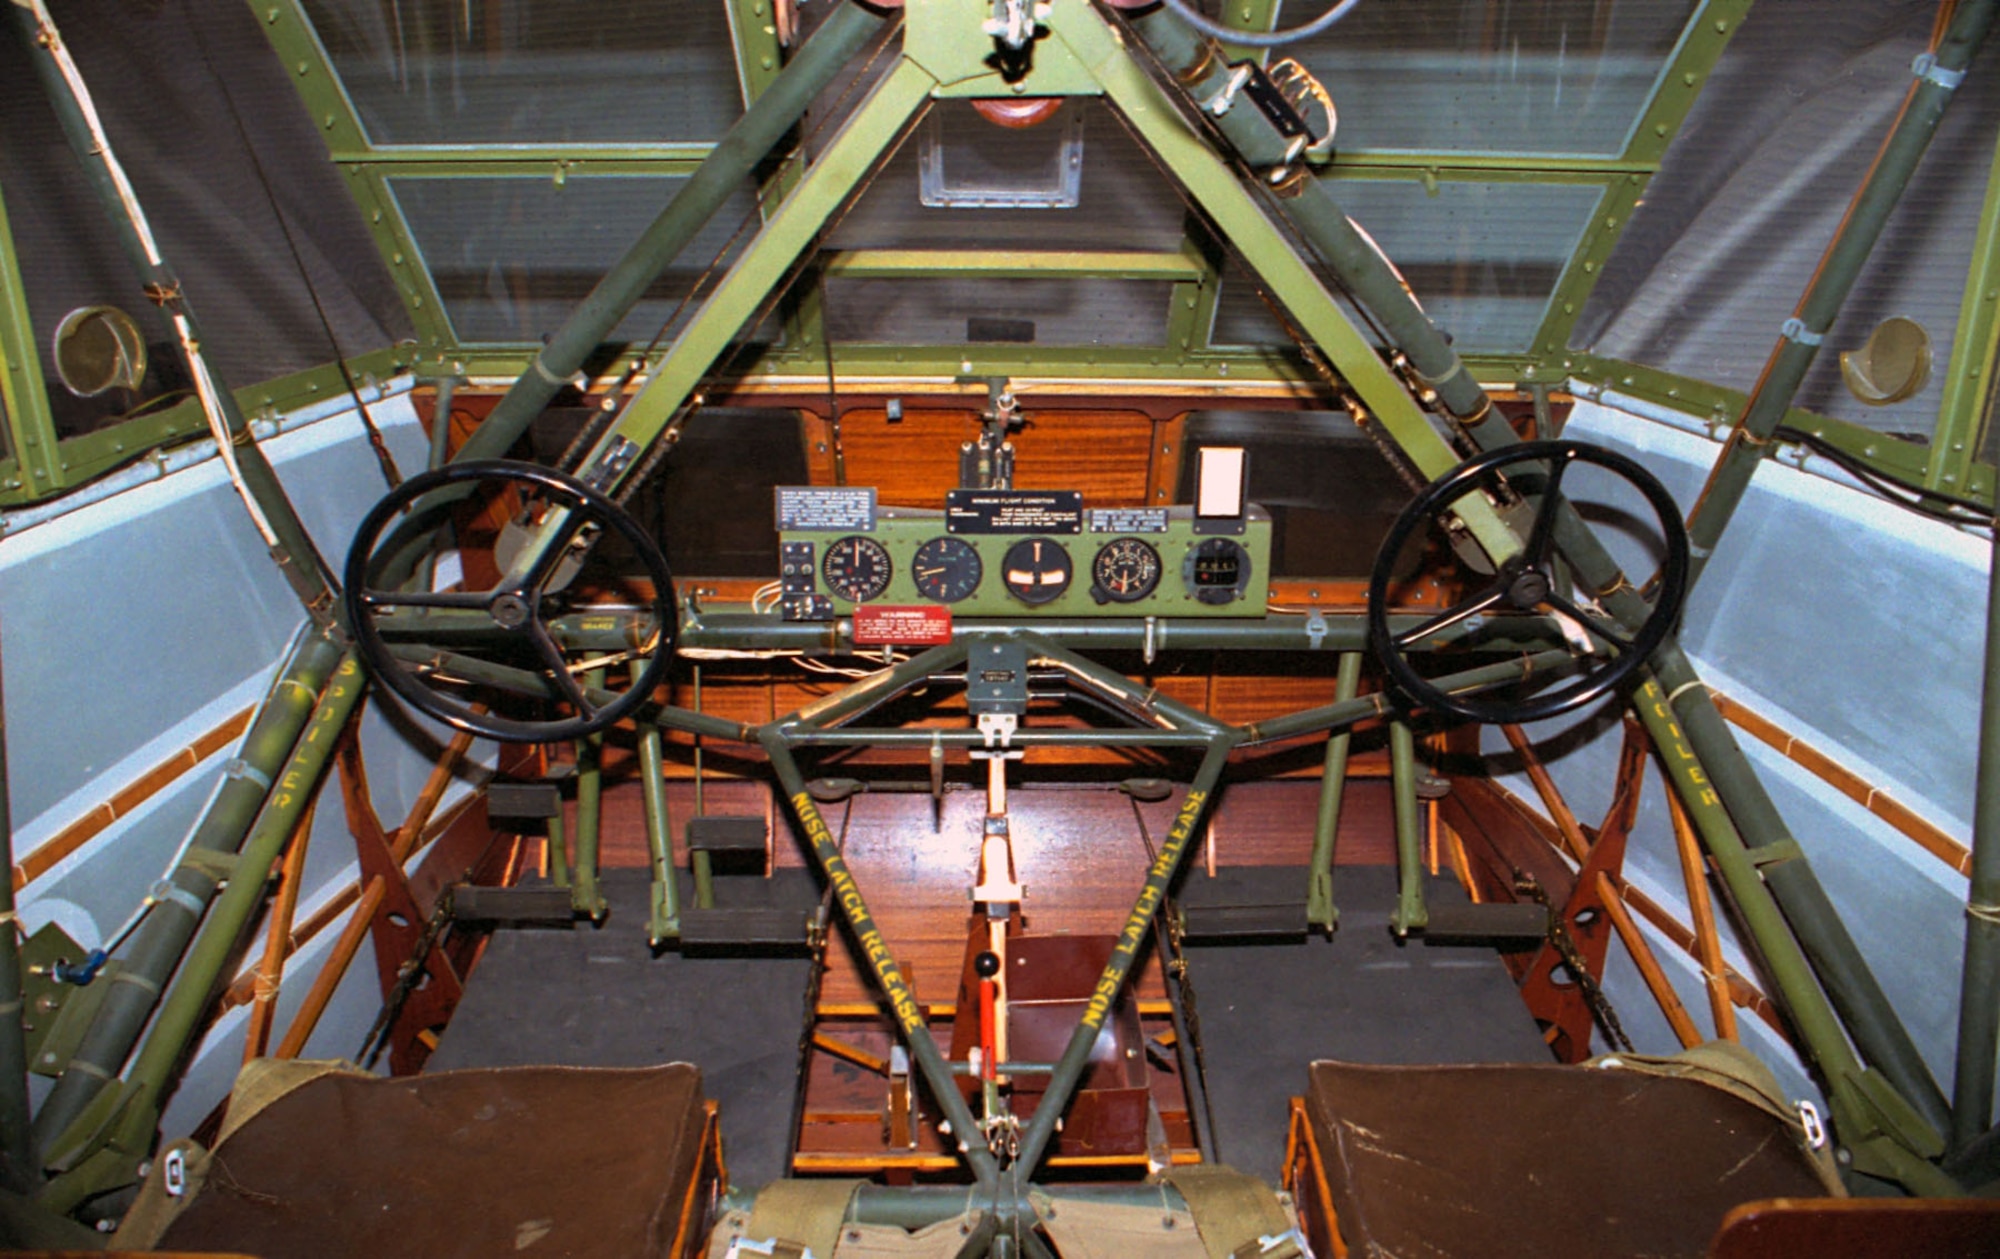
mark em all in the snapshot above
pixel 1542 1161
pixel 524 1160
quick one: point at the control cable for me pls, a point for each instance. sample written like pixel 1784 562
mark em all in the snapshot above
pixel 1254 39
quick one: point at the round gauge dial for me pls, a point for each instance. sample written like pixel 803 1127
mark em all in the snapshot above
pixel 1125 571
pixel 946 569
pixel 1036 570
pixel 857 569
pixel 1217 571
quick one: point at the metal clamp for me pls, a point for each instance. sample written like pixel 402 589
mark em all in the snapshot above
pixel 1315 628
pixel 1794 329
pixel 237 767
pixel 1927 69
pixel 1809 1120
pixel 1225 96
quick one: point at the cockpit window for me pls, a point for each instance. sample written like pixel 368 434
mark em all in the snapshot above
pixel 518 72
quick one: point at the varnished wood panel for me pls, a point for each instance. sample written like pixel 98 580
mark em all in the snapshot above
pixel 912 461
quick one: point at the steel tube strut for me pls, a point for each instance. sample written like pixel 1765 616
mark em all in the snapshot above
pixel 1320 910
pixel 1979 984
pixel 1936 81
pixel 158 944
pixel 903 1007
pixel 734 159
pixel 290 545
pixel 1335 632
pixel 17 1160
pixel 1152 894
pixel 1410 913
pixel 1198 63
pixel 131 1132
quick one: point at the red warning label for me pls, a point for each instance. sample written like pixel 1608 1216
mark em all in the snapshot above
pixel 914 626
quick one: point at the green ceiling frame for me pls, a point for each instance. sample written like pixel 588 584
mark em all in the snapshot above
pixel 24 397
pixel 1185 354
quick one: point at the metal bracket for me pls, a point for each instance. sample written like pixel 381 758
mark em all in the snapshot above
pixel 1794 329
pixel 601 475
pixel 1927 69
pixel 1315 628
pixel 997 729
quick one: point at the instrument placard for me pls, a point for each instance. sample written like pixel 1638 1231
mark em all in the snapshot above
pixel 826 509
pixel 1013 511
pixel 923 625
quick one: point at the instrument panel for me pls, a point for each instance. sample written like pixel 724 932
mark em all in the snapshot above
pixel 1138 562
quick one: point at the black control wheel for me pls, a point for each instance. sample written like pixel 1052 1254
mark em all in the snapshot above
pixel 460 655
pixel 1527 583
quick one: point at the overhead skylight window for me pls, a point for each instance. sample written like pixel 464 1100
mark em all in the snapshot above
pixel 1500 76
pixel 516 72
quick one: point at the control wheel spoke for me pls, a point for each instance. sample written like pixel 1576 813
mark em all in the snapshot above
pixel 558 669
pixel 476 600
pixel 1541 535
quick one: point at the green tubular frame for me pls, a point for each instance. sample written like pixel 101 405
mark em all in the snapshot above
pixel 1867 216
pixel 1410 914
pixel 157 947
pixel 1979 981
pixel 113 1149
pixel 1320 909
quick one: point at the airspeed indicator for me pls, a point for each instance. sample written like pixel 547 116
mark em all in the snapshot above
pixel 1125 571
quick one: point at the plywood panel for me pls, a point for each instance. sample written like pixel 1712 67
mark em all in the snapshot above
pixel 914 461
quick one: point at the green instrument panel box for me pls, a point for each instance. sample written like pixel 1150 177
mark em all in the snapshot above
pixel 981 562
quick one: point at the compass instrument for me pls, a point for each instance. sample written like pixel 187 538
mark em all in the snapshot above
pixel 1217 570
pixel 857 568
pixel 1036 570
pixel 946 569
pixel 1125 571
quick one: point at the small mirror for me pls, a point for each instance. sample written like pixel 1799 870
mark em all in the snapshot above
pixel 99 348
pixel 1892 365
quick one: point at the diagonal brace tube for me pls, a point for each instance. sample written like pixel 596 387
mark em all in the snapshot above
pixel 1076 1055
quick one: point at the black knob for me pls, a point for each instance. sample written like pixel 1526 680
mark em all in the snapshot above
pixel 986 965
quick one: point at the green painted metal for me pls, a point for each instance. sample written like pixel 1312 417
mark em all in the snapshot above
pixel 130 1138
pixel 753 32
pixel 1410 914
pixel 292 548
pixel 760 271
pixel 1870 1120
pixel 902 1002
pixel 1867 214
pixel 157 946
pixel 1342 632
pixel 1118 968
pixel 1580 275
pixel 24 399
pixel 1216 187
pixel 1979 981
pixel 1011 264
pixel 1964 413
pixel 1702 41
pixel 1320 909
pixel 292 37
pixel 1842 970
pixel 746 144
pixel 665 921
pixel 558 849
pixel 18 1171
pixel 585 894
pixel 1718 406
pixel 555 162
